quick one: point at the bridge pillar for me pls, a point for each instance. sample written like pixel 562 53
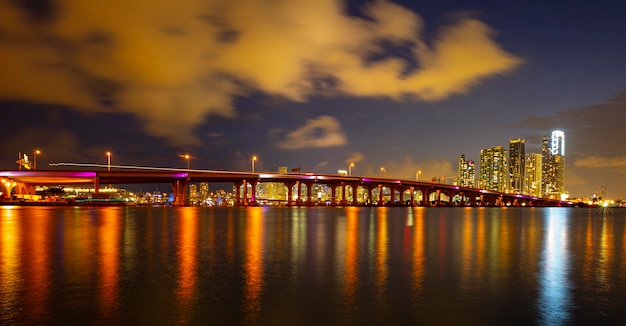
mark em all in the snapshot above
pixel 289 186
pixel 412 202
pixel 343 193
pixel 299 193
pixel 244 201
pixel 472 200
pixel 179 188
pixel 333 194
pixel 253 184
pixel 236 185
pixel 309 192
pixel 380 195
pixel 96 184
pixel 6 189
pixel 355 194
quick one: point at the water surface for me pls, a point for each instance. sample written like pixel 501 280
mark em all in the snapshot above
pixel 312 266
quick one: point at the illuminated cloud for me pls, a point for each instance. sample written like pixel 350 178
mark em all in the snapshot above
pixel 355 157
pixel 595 161
pixel 325 131
pixel 174 65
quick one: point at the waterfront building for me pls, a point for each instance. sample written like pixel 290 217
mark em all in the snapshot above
pixel 273 191
pixel 467 171
pixel 516 162
pixel 553 165
pixel 493 169
pixel 193 193
pixel 204 191
pixel 532 178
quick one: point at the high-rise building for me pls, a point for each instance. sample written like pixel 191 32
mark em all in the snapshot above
pixel 493 169
pixel 516 165
pixel 204 191
pixel 193 192
pixel 273 191
pixel 467 170
pixel 553 165
pixel 532 180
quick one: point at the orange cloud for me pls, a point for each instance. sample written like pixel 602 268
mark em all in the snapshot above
pixel 325 131
pixel 172 65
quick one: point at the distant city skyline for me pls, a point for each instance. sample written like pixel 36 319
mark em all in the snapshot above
pixel 315 85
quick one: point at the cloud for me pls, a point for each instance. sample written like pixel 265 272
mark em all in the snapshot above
pixel 172 66
pixel 324 131
pixel 355 157
pixel 595 161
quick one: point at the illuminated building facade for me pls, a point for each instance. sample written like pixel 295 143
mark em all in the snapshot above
pixel 204 191
pixel 553 164
pixel 516 165
pixel 493 169
pixel 467 170
pixel 193 192
pixel 532 179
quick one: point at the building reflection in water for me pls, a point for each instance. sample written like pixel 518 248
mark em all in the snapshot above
pixel 10 259
pixel 417 260
pixel 253 265
pixel 109 253
pixel 381 254
pixel 187 262
pixel 554 290
pixel 351 263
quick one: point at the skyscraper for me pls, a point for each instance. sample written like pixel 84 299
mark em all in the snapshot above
pixel 493 169
pixel 532 180
pixel 516 165
pixel 193 192
pixel 553 164
pixel 467 172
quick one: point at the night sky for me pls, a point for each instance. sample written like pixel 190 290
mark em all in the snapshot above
pixel 315 84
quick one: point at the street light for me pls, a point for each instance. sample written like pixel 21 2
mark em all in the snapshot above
pixel 350 169
pixel 187 157
pixel 417 175
pixel 108 161
pixel 37 152
pixel 382 168
pixel 253 160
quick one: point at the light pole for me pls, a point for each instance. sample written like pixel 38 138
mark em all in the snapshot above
pixel 253 160
pixel 382 169
pixel 187 157
pixel 108 161
pixel 417 175
pixel 37 152
pixel 350 169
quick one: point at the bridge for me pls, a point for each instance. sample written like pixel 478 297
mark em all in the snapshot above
pixel 416 193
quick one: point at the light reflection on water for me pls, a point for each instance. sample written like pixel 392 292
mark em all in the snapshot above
pixel 352 265
pixel 554 293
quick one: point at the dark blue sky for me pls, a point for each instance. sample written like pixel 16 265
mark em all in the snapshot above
pixel 405 85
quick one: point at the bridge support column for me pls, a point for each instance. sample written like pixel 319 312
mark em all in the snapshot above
pixel 299 193
pixel 96 184
pixel 355 193
pixel 309 192
pixel 333 194
pixel 236 185
pixel 343 193
pixel 253 192
pixel 289 186
pixel 380 195
pixel 179 188
pixel 472 200
pixel 245 193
